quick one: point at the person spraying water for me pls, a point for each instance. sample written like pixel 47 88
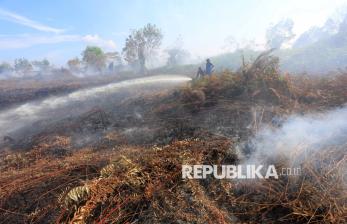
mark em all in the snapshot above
pixel 208 71
pixel 209 67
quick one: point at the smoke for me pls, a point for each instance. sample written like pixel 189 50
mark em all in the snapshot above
pixel 300 135
pixel 54 108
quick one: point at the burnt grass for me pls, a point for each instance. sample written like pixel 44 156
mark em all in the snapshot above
pixel 121 163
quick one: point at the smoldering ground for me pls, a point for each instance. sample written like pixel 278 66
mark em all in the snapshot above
pixel 298 138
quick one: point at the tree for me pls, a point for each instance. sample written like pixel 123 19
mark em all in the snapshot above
pixel 22 65
pixel 74 64
pixel 5 68
pixel 141 44
pixel 280 33
pixel 94 58
pixel 43 65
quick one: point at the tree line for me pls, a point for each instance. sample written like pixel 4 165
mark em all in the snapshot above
pixel 140 45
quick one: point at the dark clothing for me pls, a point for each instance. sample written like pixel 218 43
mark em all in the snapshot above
pixel 200 73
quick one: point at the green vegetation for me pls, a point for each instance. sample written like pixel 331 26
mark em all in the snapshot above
pixel 94 58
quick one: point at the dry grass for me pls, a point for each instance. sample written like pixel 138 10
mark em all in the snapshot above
pixel 318 195
pixel 149 188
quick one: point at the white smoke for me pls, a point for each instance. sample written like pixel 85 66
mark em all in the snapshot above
pixel 14 119
pixel 301 135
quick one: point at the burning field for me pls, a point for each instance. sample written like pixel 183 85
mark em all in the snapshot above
pixel 118 156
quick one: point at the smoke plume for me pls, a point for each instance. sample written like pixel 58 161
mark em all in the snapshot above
pixel 300 135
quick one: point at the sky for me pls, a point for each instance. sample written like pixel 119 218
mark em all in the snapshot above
pixel 60 30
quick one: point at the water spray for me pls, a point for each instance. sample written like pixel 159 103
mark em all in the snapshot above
pixel 26 114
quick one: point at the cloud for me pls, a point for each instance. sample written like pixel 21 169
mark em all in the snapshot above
pixel 26 41
pixel 16 18
pixel 96 40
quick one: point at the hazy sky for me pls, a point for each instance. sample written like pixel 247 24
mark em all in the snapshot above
pixel 59 30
